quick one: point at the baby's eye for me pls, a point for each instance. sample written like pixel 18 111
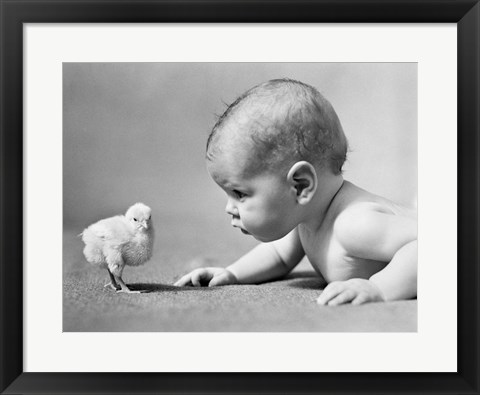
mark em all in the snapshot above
pixel 238 194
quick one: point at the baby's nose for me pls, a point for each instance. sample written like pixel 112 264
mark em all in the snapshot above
pixel 231 209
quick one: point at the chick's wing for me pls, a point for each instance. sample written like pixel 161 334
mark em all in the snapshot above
pixel 114 230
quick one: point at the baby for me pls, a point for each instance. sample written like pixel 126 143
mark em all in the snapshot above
pixel 278 153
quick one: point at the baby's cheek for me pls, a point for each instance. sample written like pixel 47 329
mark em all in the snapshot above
pixel 262 226
pixel 251 223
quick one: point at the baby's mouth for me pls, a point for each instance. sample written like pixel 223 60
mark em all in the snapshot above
pixel 235 224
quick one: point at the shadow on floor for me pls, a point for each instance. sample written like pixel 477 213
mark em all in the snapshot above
pixel 153 287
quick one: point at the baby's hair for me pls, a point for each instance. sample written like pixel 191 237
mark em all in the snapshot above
pixel 287 121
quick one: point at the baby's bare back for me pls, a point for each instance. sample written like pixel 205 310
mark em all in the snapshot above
pixel 325 251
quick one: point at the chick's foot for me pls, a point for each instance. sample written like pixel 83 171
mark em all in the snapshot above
pixel 124 287
pixel 110 285
pixel 129 291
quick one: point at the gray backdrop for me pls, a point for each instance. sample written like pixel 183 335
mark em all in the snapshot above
pixel 137 132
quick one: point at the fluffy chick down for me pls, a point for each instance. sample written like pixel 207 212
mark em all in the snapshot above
pixel 116 242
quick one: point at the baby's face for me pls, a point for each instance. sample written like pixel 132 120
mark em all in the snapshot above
pixel 260 205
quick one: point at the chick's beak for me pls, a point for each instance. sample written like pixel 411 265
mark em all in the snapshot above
pixel 144 224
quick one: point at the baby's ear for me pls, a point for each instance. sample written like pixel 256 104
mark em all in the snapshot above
pixel 302 176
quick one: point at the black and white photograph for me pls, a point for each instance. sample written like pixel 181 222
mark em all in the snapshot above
pixel 240 197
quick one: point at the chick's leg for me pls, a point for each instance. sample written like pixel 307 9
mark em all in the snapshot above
pixel 124 287
pixel 115 265
pixel 113 283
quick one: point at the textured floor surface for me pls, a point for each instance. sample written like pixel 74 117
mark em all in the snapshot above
pixel 281 306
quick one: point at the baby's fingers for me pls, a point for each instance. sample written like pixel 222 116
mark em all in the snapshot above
pixel 185 280
pixel 360 299
pixel 330 292
pixel 345 297
pixel 200 276
pixel 220 279
pixel 193 278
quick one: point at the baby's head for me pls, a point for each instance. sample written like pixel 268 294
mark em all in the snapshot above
pixel 270 151
pixel 281 122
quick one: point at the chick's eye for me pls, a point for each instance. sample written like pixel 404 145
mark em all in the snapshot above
pixel 135 219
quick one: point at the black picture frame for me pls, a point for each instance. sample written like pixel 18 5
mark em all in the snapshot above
pixel 14 13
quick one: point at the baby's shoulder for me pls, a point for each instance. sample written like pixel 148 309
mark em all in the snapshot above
pixel 354 210
pixel 360 211
pixel 354 201
pixel 358 215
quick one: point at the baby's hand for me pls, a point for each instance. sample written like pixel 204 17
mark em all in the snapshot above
pixel 355 291
pixel 212 276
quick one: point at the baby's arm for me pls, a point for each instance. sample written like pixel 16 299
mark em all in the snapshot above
pixel 374 234
pixel 269 261
pixel 266 261
pixel 398 280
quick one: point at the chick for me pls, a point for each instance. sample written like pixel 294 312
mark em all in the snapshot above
pixel 117 241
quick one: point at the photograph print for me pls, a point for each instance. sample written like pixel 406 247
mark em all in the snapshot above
pixel 240 197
